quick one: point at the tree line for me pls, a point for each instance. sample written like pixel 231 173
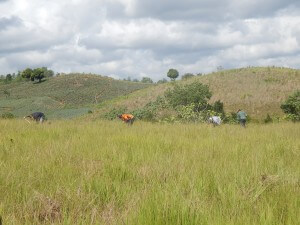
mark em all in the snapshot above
pixel 173 74
pixel 37 74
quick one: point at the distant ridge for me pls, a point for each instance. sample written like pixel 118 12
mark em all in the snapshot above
pixel 64 96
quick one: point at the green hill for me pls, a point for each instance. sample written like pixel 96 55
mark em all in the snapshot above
pixel 258 90
pixel 64 96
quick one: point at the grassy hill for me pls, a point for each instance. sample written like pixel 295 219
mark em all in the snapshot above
pixel 258 90
pixel 64 96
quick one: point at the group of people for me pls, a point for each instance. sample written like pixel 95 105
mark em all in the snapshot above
pixel 129 118
pixel 241 117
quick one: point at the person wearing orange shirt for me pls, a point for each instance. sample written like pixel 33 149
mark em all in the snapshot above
pixel 127 118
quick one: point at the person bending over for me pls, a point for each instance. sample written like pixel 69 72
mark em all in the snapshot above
pixel 215 120
pixel 127 118
pixel 36 116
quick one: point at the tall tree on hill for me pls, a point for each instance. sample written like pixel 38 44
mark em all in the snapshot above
pixel 48 73
pixel 172 74
pixel 38 74
pixel 27 73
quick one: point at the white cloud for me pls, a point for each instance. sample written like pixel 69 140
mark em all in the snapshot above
pixel 135 38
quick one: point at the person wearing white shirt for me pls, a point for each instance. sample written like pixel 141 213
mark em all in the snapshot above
pixel 215 120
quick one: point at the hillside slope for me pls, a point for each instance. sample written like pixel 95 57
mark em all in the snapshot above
pixel 62 96
pixel 258 90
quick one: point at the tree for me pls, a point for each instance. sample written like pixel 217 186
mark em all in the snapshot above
pixel 27 73
pixel 187 76
pixel 292 106
pixel 172 74
pixel 196 93
pixel 162 81
pixel 8 77
pixel 218 107
pixel 48 73
pixel 38 74
pixel 147 80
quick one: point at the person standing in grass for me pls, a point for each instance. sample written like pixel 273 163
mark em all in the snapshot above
pixel 127 118
pixel 242 117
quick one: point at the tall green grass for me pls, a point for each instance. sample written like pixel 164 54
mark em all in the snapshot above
pixel 78 172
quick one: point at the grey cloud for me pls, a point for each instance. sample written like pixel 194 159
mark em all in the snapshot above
pixel 12 21
pixel 205 10
pixel 140 37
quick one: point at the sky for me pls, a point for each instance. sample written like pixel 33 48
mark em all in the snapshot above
pixel 137 38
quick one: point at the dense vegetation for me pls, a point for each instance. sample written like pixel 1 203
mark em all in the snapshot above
pixel 109 173
pixel 292 106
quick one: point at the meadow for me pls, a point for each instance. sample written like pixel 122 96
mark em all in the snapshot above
pixel 104 172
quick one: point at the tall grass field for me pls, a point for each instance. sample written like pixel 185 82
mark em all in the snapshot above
pixel 79 172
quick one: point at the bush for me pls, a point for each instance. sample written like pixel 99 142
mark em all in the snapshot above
pixel 112 114
pixel 149 111
pixel 291 107
pixel 268 119
pixel 7 115
pixel 196 93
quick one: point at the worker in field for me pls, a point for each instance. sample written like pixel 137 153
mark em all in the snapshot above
pixel 242 117
pixel 215 120
pixel 36 116
pixel 127 118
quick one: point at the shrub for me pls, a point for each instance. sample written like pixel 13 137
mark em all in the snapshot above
pixel 112 114
pixel 149 111
pixel 8 115
pixel 268 119
pixel 291 106
pixel 196 93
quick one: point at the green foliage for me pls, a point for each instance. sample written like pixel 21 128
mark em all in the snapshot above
pixel 6 93
pixel 230 118
pixel 172 74
pixel 27 73
pixel 268 119
pixel 147 80
pixel 218 107
pixel 162 81
pixel 195 93
pixel 113 113
pixel 187 76
pixel 38 74
pixel 292 106
pixel 8 77
pixel 47 72
pixel 188 114
pixel 7 115
pixel 149 111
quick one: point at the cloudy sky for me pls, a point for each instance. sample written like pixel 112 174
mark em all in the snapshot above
pixel 137 38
